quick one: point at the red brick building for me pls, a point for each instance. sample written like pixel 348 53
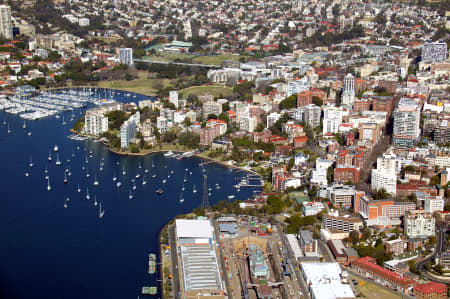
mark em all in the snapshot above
pixel 431 290
pixel 283 150
pixel 380 103
pixel 367 266
pixel 277 139
pixel 208 134
pixel 263 136
pixel 300 141
pixel 361 105
pixel 346 173
pixel 304 98
pixel 319 93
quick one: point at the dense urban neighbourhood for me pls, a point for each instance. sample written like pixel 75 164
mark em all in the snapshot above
pixel 341 107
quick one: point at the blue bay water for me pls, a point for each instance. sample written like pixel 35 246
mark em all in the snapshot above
pixel 48 251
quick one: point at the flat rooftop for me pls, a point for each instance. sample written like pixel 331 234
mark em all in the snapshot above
pixel 194 229
pixel 200 268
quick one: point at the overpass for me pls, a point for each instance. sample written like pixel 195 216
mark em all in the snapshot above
pixel 178 63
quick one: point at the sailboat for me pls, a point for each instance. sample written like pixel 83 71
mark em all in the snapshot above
pixel 181 198
pixel 131 195
pixel 164 181
pixel 55 148
pixel 118 184
pixel 143 180
pixel 65 203
pixel 95 181
pixel 114 177
pixel 31 162
pixel 194 190
pixel 49 155
pixel 48 184
pixel 138 176
pixel 123 171
pixel 9 130
pixel 168 174
pixel 4 122
pixel 87 194
pixel 185 180
pixel 87 173
pixel 182 189
pixel 153 164
pixel 146 171
pixel 95 201
pixel 140 166
pixel 57 160
pixel 24 125
pixel 101 213
pixel 78 189
pixel 134 186
pixel 154 175
pixel 69 172
pixel 65 178
pixel 63 122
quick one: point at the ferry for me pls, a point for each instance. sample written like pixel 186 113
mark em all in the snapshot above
pixel 151 263
pixel 149 290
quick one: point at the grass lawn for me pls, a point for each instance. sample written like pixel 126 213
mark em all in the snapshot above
pixel 214 90
pixel 141 85
pixel 163 56
pixel 215 59
pixel 372 291
pixel 210 59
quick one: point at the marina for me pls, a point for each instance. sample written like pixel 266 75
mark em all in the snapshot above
pixel 118 232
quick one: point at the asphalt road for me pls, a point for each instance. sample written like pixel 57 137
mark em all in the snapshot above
pixel 174 256
pixel 441 246
pixel 298 275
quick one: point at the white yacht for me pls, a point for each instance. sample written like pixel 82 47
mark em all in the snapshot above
pixel 101 213
pixel 57 160
pixel 55 148
pixel 95 201
pixel 31 162
pixel 49 156
pixel 87 194
pixel 48 184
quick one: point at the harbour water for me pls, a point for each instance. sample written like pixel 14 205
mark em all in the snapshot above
pixel 49 251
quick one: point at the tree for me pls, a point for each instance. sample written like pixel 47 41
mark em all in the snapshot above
pixel 224 116
pixel 317 101
pixel 354 235
pixel 289 102
pixel 381 194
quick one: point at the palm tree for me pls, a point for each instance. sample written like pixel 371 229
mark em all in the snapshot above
pixel 381 194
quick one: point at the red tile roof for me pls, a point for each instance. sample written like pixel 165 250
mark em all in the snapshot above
pixel 431 288
pixel 369 263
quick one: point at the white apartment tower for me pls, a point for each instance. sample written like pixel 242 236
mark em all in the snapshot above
pixel 406 126
pixel 126 56
pixel 348 91
pixel 312 115
pixel 95 122
pixel 173 98
pixel 419 224
pixel 332 118
pixel 5 22
pixel 385 176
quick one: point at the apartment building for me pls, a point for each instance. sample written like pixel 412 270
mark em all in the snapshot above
pixel 419 224
pixel 95 122
pixel 307 243
pixel 342 224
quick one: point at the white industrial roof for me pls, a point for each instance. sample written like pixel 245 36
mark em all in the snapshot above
pixel 195 229
pixel 332 291
pixel 322 273
pixel 293 242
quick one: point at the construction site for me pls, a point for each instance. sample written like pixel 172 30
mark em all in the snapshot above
pixel 256 267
